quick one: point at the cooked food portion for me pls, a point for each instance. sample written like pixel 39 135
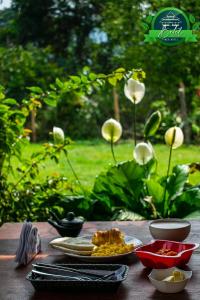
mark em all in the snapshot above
pixel 108 249
pixel 111 236
pixel 110 242
pixel 103 243
pixel 82 243
pixel 166 252
pixel 175 277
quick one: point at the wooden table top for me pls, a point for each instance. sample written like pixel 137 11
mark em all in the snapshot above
pixel 14 286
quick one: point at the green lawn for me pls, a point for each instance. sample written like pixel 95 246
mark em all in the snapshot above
pixel 89 158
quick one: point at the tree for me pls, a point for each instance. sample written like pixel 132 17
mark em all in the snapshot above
pixel 166 68
pixel 64 25
pixel 106 35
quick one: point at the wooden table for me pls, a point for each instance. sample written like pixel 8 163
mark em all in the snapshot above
pixel 14 286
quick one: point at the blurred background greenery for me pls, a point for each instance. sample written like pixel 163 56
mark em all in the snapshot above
pixel 43 40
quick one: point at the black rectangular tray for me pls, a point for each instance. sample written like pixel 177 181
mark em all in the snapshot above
pixel 101 285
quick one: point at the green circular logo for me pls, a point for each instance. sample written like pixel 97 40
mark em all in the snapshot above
pixel 171 23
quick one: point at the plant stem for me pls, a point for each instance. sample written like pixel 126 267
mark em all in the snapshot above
pixel 74 173
pixel 134 123
pixel 112 150
pixel 168 168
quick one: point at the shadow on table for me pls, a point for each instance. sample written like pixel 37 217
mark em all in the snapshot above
pixel 121 293
pixel 182 295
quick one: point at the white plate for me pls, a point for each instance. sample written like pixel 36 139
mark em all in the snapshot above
pixel 96 259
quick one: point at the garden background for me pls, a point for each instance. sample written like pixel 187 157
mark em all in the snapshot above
pixel 63 63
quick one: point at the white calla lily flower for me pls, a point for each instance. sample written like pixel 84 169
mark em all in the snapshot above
pixel 111 130
pixel 134 90
pixel 174 137
pixel 143 153
pixel 58 135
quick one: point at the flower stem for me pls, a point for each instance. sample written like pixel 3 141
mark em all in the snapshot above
pixel 134 123
pixel 112 150
pixel 74 173
pixel 168 168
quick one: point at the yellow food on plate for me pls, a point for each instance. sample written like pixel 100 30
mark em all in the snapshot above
pixel 109 243
pixel 112 236
pixel 175 277
pixel 103 243
pixel 108 249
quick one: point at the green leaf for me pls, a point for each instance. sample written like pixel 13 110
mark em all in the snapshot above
pixel 152 124
pixel 138 74
pixel 127 215
pixel 177 180
pixel 112 80
pixel 145 26
pixel 10 101
pixel 196 26
pixel 3 108
pixel 76 79
pixel 86 70
pixel 120 70
pixel 84 79
pixel 92 76
pixel 101 76
pixel 192 19
pixel 52 86
pixel 155 190
pixel 2 95
pixel 119 73
pixel 186 203
pixel 149 19
pixel 50 101
pixel 59 83
pixel 122 186
pixel 35 89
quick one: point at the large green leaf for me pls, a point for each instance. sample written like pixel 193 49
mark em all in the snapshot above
pixel 156 190
pixel 187 203
pixel 122 186
pixel 127 215
pixel 177 180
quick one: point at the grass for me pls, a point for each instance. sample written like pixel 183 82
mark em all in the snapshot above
pixel 89 158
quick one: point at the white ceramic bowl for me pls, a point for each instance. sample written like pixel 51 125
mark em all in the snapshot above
pixel 157 275
pixel 170 229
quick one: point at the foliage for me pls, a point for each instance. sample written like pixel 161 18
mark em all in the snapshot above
pixel 124 193
pixel 70 101
pixel 121 187
pixel 110 35
pixel 19 197
pixel 22 67
pixel 63 25
pixel 131 190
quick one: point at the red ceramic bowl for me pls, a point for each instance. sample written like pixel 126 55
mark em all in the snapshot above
pixel 149 258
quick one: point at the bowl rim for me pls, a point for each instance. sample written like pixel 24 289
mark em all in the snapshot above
pixel 194 246
pixel 166 220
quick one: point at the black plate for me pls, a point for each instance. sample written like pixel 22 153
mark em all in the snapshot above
pixel 103 285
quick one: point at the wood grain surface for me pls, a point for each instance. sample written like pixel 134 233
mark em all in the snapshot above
pixel 14 286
